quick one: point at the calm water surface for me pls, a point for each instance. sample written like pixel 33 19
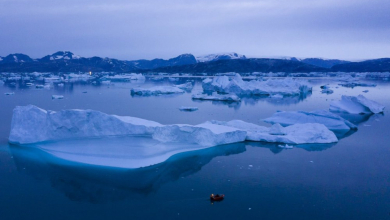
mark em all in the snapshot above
pixel 347 180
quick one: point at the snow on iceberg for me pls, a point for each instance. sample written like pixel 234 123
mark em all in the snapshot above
pixel 356 105
pixel 31 124
pixel 308 133
pixel 156 90
pixel 236 85
pixel 206 134
pixel 217 97
pixel 331 121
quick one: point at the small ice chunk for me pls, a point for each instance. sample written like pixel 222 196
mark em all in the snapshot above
pixel 217 97
pixel 365 91
pixel 276 96
pixel 9 93
pixel 186 86
pixel 356 105
pixel 57 96
pixel 285 146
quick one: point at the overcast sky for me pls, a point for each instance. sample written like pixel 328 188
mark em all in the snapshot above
pixel 146 29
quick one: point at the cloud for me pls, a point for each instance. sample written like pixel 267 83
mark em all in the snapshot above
pixel 152 28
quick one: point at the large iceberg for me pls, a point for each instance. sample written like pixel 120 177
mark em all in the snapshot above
pixel 308 133
pixel 31 124
pixel 331 121
pixel 356 105
pixel 236 85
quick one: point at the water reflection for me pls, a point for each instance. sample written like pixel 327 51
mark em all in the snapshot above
pixel 360 118
pixel 253 100
pixel 274 147
pixel 99 184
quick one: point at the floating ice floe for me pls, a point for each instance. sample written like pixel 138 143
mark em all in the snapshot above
pixel 308 133
pixel 236 85
pixel 57 96
pixel 356 105
pixel 355 84
pixel 365 91
pixel 188 109
pixel 60 85
pixel 9 93
pixel 125 77
pixel 185 86
pixel 31 124
pixel 157 90
pixel 331 121
pixel 217 97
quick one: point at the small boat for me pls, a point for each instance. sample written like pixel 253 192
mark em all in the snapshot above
pixel 216 197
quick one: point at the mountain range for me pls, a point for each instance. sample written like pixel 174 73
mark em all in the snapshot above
pixel 65 61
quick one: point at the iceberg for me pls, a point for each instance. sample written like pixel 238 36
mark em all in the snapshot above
pixel 125 77
pixel 185 86
pixel 308 133
pixel 356 105
pixel 217 97
pixel 31 124
pixel 332 121
pixel 156 90
pixel 57 97
pixel 287 86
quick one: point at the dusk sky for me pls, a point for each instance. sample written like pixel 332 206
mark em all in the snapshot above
pixel 348 29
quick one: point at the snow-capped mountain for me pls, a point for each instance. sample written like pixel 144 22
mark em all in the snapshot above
pixel 60 55
pixel 16 58
pixel 220 56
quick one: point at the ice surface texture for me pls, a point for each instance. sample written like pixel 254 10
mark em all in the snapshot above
pixel 331 121
pixel 356 105
pixel 308 133
pixel 236 85
pixel 31 124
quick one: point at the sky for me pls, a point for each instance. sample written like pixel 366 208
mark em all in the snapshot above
pixel 147 29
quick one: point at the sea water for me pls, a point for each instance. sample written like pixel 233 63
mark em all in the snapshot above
pixel 346 180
